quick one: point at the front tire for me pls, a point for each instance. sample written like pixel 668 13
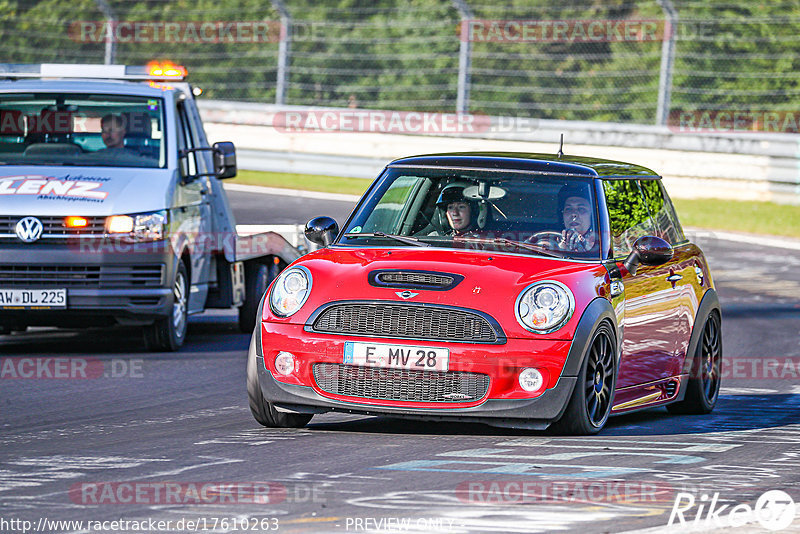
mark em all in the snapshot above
pixel 702 389
pixel 263 411
pixel 169 333
pixel 591 401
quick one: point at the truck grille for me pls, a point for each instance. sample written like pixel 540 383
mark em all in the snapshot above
pixel 406 321
pixel 86 276
pixel 400 384
pixel 53 226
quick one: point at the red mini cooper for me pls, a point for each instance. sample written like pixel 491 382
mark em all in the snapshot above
pixel 518 290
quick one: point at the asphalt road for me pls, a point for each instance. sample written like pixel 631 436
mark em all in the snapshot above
pixel 169 437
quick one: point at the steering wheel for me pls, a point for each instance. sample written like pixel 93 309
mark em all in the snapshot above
pixel 546 235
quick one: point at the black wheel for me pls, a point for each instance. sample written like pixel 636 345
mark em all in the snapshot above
pixel 168 334
pixel 257 277
pixel 702 389
pixel 590 404
pixel 263 411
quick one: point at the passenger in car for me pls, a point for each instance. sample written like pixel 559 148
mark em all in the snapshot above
pixel 460 211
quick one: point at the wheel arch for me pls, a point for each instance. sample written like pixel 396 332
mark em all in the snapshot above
pixel 708 304
pixel 598 311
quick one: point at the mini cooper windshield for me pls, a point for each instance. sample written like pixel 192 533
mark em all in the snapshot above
pixel 483 209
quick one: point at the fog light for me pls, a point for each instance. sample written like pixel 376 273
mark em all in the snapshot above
pixel 284 363
pixel 531 379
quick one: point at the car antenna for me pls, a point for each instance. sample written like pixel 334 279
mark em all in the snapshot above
pixel 561 147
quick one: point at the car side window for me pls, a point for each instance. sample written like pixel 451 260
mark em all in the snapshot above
pixel 185 140
pixel 628 214
pixel 662 212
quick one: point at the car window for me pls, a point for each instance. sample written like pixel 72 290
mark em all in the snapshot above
pixel 186 141
pixel 628 214
pixel 667 226
pixel 497 207
pixel 392 211
pixel 81 129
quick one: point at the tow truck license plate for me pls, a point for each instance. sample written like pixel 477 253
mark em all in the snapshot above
pixel 33 298
pixel 396 356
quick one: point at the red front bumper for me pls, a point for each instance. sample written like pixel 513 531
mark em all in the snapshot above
pixel 502 364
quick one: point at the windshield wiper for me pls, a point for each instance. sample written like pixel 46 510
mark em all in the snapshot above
pixel 403 239
pixel 504 241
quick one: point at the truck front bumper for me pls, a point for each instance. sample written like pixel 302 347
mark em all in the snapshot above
pixel 130 286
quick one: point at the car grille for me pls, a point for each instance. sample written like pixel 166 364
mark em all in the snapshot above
pixel 53 227
pixel 87 276
pixel 400 384
pixel 415 280
pixel 406 321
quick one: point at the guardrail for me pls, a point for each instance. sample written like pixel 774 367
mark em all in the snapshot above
pixel 747 166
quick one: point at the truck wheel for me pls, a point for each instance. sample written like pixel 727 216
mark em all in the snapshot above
pixel 590 404
pixel 257 278
pixel 702 389
pixel 263 411
pixel 168 334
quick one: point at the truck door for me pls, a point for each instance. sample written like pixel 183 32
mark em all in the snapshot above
pixel 194 213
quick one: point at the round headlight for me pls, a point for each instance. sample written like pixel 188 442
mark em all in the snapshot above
pixel 290 291
pixel 544 307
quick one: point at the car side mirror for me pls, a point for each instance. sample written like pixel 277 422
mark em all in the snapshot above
pixel 648 250
pixel 224 159
pixel 321 230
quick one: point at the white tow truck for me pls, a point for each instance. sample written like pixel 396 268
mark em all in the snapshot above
pixel 131 227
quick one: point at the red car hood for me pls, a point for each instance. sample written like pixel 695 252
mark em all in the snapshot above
pixel 491 284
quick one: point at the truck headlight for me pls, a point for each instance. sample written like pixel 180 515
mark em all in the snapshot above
pixel 290 291
pixel 544 307
pixel 138 228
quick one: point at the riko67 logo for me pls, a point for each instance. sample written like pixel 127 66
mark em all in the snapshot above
pixel 774 510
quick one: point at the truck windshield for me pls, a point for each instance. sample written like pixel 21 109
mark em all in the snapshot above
pixel 508 211
pixel 81 129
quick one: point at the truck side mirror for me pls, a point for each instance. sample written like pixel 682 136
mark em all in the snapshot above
pixel 648 250
pixel 322 230
pixel 224 159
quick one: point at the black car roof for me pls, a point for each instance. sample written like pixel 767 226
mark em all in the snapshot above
pixel 539 163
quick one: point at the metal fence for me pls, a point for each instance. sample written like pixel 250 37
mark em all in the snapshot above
pixel 619 60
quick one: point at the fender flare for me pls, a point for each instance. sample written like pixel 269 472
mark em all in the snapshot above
pixel 708 304
pixel 597 311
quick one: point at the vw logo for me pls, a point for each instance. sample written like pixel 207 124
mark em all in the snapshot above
pixel 29 229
